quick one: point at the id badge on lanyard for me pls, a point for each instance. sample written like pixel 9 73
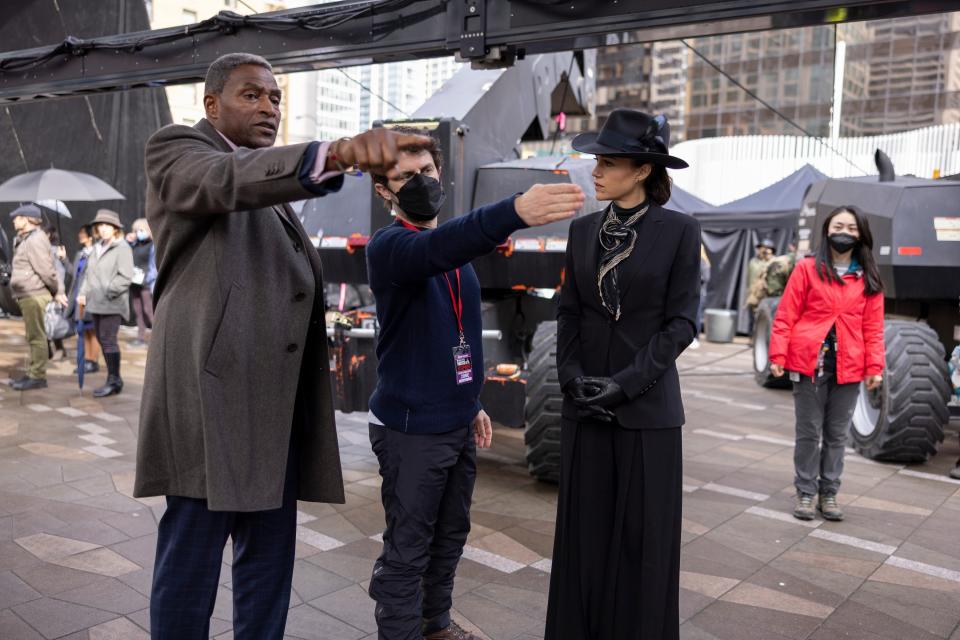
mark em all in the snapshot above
pixel 462 357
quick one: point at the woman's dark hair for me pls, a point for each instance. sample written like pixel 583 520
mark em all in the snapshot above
pixel 52 234
pixel 863 252
pixel 433 147
pixel 658 183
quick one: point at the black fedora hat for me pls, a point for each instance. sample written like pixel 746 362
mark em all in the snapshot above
pixel 634 134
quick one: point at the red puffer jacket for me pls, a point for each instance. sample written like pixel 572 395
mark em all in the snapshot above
pixel 809 308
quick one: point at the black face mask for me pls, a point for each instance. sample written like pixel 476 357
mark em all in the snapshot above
pixel 421 198
pixel 842 242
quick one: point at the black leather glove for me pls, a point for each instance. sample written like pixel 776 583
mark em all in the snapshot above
pixel 595 413
pixel 610 393
pixel 580 391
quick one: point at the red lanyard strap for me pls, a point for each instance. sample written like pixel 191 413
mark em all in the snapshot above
pixel 456 300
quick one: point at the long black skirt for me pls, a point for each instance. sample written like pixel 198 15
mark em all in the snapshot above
pixel 616 556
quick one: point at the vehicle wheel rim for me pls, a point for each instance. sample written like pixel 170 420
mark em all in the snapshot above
pixel 866 415
pixel 760 347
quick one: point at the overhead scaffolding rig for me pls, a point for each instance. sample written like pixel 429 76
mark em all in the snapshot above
pixel 485 32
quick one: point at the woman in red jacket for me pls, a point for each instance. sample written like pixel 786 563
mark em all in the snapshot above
pixel 828 334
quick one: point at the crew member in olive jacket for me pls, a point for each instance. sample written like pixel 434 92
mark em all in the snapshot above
pixel 33 282
pixel 237 420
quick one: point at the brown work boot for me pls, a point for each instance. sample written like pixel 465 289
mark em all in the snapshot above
pixel 453 632
pixel 829 508
pixel 804 508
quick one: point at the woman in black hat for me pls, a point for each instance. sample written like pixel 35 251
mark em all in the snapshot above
pixel 627 310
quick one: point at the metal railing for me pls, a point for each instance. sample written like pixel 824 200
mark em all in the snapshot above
pixel 728 168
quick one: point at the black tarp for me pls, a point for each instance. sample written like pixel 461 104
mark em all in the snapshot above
pixel 686 202
pixel 731 233
pixel 103 135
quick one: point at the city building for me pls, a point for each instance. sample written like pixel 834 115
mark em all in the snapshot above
pixel 790 69
pixel 668 85
pixel 897 74
pixel 186 100
pixel 910 71
pixel 439 70
pixel 323 105
pixel 317 105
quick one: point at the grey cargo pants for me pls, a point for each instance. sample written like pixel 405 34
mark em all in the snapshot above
pixel 824 410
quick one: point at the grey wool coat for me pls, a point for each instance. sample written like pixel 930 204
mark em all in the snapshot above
pixel 239 327
pixel 106 281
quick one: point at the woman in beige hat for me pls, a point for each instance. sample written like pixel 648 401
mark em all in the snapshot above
pixel 105 292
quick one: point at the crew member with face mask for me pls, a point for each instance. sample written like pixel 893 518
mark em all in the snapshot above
pixel 828 334
pixel 425 415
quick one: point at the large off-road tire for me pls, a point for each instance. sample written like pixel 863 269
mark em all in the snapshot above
pixel 761 346
pixel 544 403
pixel 903 421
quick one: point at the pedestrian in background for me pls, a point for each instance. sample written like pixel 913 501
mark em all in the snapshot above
pixel 34 284
pixel 627 310
pixel 91 348
pixel 64 278
pixel 828 333
pixel 765 251
pixel 144 275
pixel 105 293
pixel 704 283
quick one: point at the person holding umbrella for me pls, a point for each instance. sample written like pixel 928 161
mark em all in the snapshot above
pixel 86 334
pixel 64 271
pixel 105 292
pixel 33 282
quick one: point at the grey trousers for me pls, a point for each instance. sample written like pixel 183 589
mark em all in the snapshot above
pixel 824 410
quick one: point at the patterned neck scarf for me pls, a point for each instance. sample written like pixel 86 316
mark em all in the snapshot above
pixel 617 240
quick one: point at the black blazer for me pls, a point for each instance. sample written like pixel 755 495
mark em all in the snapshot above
pixel 659 296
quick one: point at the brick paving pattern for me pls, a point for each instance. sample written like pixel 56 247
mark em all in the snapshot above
pixel 76 550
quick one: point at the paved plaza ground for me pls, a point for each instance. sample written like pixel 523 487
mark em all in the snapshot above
pixel 76 550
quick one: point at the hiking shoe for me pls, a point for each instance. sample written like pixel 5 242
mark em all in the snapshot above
pixel 804 508
pixel 453 632
pixel 829 509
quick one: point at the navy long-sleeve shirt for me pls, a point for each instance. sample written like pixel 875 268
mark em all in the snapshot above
pixel 417 390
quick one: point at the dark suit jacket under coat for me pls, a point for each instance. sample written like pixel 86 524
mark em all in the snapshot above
pixel 239 327
pixel 659 296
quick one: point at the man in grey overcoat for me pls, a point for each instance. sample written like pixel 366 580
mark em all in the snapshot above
pixel 237 418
